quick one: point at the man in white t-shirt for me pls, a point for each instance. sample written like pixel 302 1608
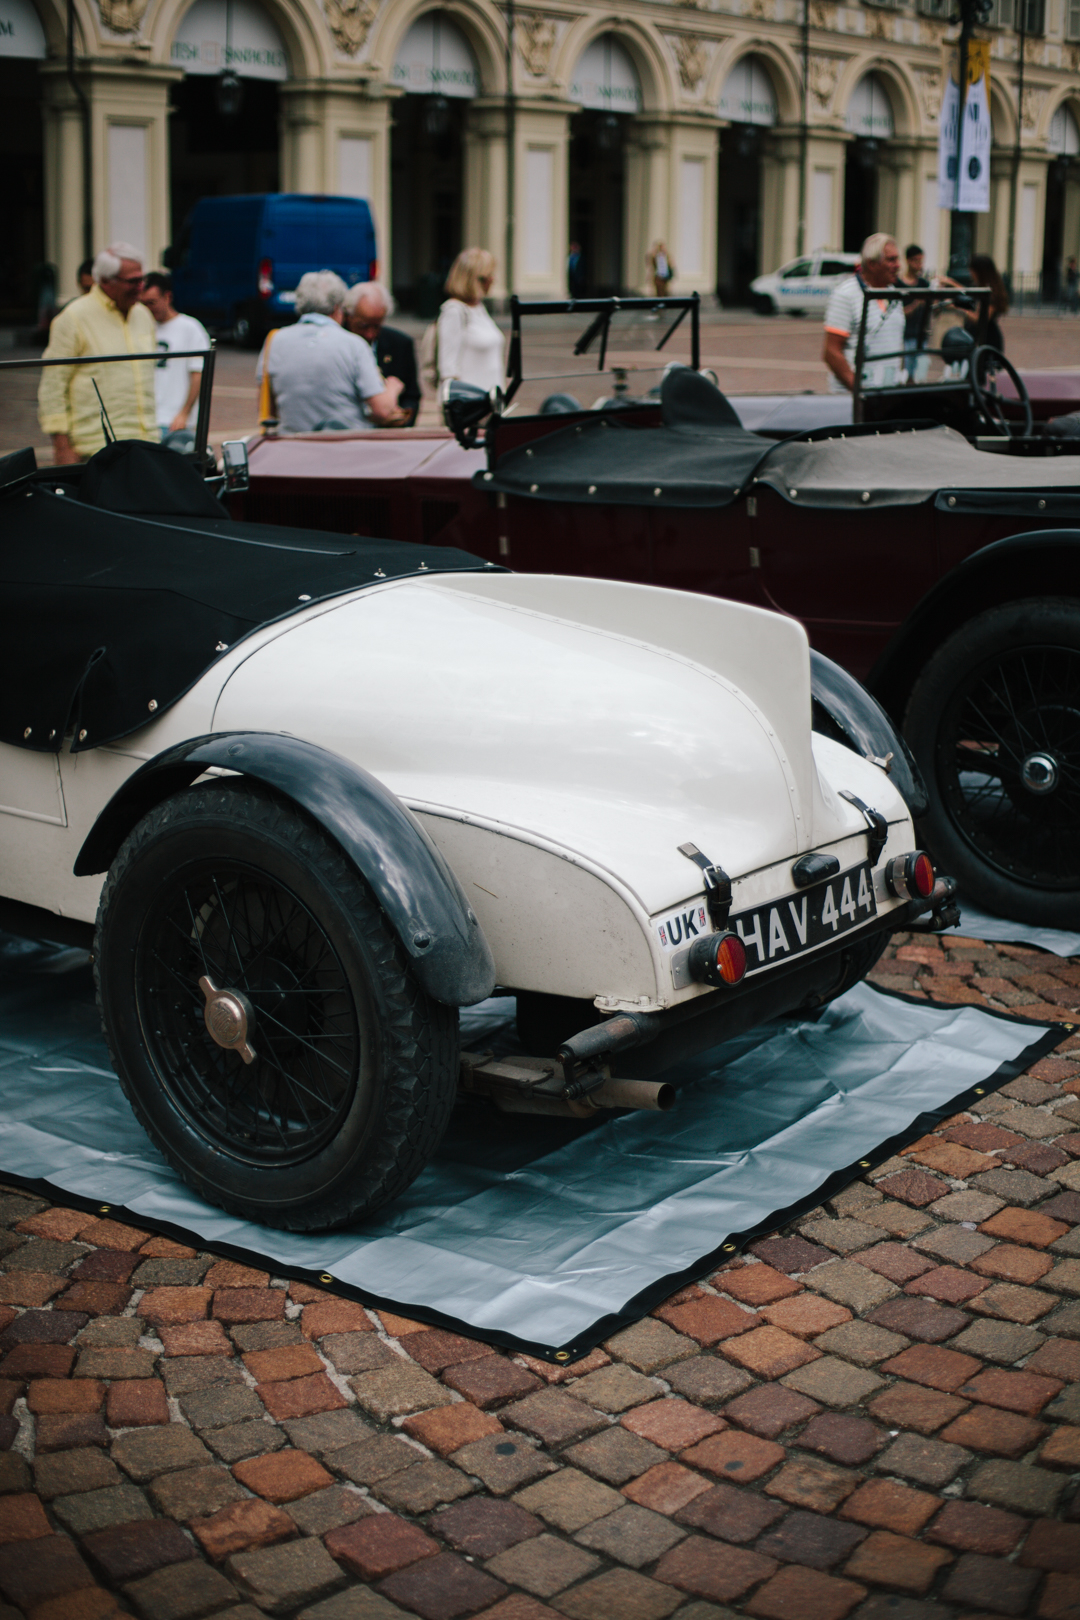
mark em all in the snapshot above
pixel 879 266
pixel 176 382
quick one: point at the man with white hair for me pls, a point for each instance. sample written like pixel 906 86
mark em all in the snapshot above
pixel 322 378
pixel 368 306
pixel 879 266
pixel 106 320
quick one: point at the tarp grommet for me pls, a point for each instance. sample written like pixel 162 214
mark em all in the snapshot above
pixel 325 1277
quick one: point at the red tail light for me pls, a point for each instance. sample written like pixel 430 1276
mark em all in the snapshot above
pixel 718 959
pixel 911 876
pixel 266 277
pixel 373 270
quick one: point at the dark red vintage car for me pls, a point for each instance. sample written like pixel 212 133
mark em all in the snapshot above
pixel 944 576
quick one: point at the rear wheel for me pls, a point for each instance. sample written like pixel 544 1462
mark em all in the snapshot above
pixel 763 304
pixel 262 1016
pixel 994 722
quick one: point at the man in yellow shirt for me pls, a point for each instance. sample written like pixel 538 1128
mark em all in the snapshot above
pixel 107 320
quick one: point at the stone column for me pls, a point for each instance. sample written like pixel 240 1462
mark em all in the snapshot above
pixel 484 201
pixel 671 197
pixel 777 242
pixel 303 144
pixel 63 174
pixel 647 205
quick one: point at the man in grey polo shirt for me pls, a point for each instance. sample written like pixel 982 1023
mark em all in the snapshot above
pixel 323 378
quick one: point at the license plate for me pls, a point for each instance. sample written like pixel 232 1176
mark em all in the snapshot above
pixel 785 928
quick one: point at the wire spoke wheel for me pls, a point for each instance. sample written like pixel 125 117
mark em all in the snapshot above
pixel 233 926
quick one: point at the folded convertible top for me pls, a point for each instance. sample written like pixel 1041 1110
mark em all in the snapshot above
pixel 108 616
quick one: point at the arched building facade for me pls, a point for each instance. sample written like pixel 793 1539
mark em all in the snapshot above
pixel 650 123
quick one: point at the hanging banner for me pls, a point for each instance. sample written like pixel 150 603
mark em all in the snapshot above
pixel 966 185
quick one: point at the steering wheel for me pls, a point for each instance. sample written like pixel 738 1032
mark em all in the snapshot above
pixel 985 363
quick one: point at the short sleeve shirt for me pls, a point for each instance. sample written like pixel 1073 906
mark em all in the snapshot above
pixel 321 375
pixel 172 378
pixel 884 334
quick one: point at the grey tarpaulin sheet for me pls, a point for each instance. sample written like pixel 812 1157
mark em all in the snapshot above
pixel 542 1235
pixel 975 924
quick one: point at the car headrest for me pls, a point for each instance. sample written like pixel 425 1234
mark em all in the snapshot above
pixel 133 475
pixel 690 403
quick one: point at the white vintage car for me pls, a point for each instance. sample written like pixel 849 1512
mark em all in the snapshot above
pixel 313 794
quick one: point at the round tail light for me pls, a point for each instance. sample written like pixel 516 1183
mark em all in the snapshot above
pixel 718 959
pixel 266 278
pixel 911 876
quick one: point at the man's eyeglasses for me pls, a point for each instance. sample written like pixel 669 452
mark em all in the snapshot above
pixel 129 281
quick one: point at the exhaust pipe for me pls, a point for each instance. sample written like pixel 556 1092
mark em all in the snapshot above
pixel 611 1094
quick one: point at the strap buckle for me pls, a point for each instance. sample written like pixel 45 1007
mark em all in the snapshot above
pixel 717 885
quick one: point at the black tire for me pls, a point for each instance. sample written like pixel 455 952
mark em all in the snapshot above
pixel 994 723
pixel 763 304
pixel 355 1072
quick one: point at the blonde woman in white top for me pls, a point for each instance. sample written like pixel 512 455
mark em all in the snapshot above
pixel 469 345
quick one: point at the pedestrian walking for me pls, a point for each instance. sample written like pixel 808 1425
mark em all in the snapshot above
pixel 986 274
pixel 661 268
pixel 878 267
pixel 176 382
pixel 109 319
pixel 319 377
pixel 916 314
pixel 468 344
pixel 575 271
pixel 368 305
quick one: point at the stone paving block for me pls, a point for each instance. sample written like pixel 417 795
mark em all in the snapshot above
pixel 22 1518
pixel 896 1261
pixel 707 1320
pixel 180 1592
pixel 614 1389
pixel 966 1206
pixel 301 1397
pixel 933 1366
pixel 369 1461
pixel 672 1424
pixel 891 1560
pixel 543 1565
pixel 62 1433
pixel 324 1432
pixel 620 1594
pixel 834 1382
pixel 136 1403
pixel 1017 1487
pixel 814 1485
pixel 249 1336
pixel 853 1285
pixel 1065 1322
pixel 163 1306
pixel 488 1382
pixel 769 1352
pixel 282 1577
pixel 791 1255
pixel 144 1453
pixel 393 1391
pixel 1013 1303
pixel 807 1593
pixel 709 1569
pixel 707 1380
pixel 361 1603
pixel 221 1405
pixel 898 1219
pixel 553 1417
pixel 96 1510
pixel 953 1243
pixel 241 1440
pixel 324 1316
pixel 993 1340
pixel 356 1353
pixel 1023 1392
pixel 843 1236
pixel 971 1527
pixel 1021 1225
pixel 446 1429
pixel 768 1410
pixel 118 1362
pixel 1052 1546
pixel 282 1476
pixel 15 1473
pixel 249 1305
pixel 378 1545
pixel 232 1274
pixel 811 1539
pixel 33 1572
pixel 30 1287
pixel 730 1514
pixel 40 1327
pixel 569 1500
pixel 650 1344
pixel 44 1254
pixel 911 1406
pixel 423 1486
pixel 441 1587
pixel 950 1284
pixel 634 1535
pixel 435 1350
pixel 861 1342
pixel 242 1527
pixel 39 1361
pixel 928 1462
pixel 755 1285
pixel 194 1493
pixel 667 1488
pixel 185 1375
pixel 65 1395
pixel 64 1473
pixel 990 1583
pixel 328 1510
pixel 615 1455
pixel 482 1528
pixel 806 1315
pixel 847 1440
pixel 111 1332
pixel 502 1463
pixel 1061 1597
pixel 913 1187
pixel 733 1455
pixel 165 1272
pixel 1010 1263
pixel 885 1505
pixel 283 1361
pixel 126 1552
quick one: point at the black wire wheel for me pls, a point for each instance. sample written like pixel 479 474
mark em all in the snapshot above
pixel 262 1016
pixel 987 366
pixel 994 722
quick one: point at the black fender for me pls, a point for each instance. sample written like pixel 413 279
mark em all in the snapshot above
pixel 380 835
pixel 1043 563
pixel 865 727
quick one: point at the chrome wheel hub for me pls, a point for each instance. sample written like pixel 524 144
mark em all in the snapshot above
pixel 229 1017
pixel 1039 773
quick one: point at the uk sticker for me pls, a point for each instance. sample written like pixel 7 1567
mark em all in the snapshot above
pixel 682 927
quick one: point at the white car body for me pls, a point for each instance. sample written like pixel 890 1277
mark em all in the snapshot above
pixel 558 739
pixel 803 286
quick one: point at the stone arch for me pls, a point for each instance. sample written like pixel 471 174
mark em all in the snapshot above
pixel 53 19
pixel 783 70
pixel 482 26
pixel 907 118
pixel 1067 96
pixel 654 67
pixel 1002 114
pixel 310 52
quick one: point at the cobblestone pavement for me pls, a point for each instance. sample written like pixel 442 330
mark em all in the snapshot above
pixel 875 1412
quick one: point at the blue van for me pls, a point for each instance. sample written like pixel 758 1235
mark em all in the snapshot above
pixel 239 258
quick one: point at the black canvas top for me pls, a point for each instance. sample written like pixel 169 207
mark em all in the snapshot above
pixel 107 617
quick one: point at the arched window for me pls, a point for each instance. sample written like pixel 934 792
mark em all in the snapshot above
pixel 21 33
pixel 605 77
pixel 238 34
pixel 748 96
pixel 435 59
pixel 1064 135
pixel 870 111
